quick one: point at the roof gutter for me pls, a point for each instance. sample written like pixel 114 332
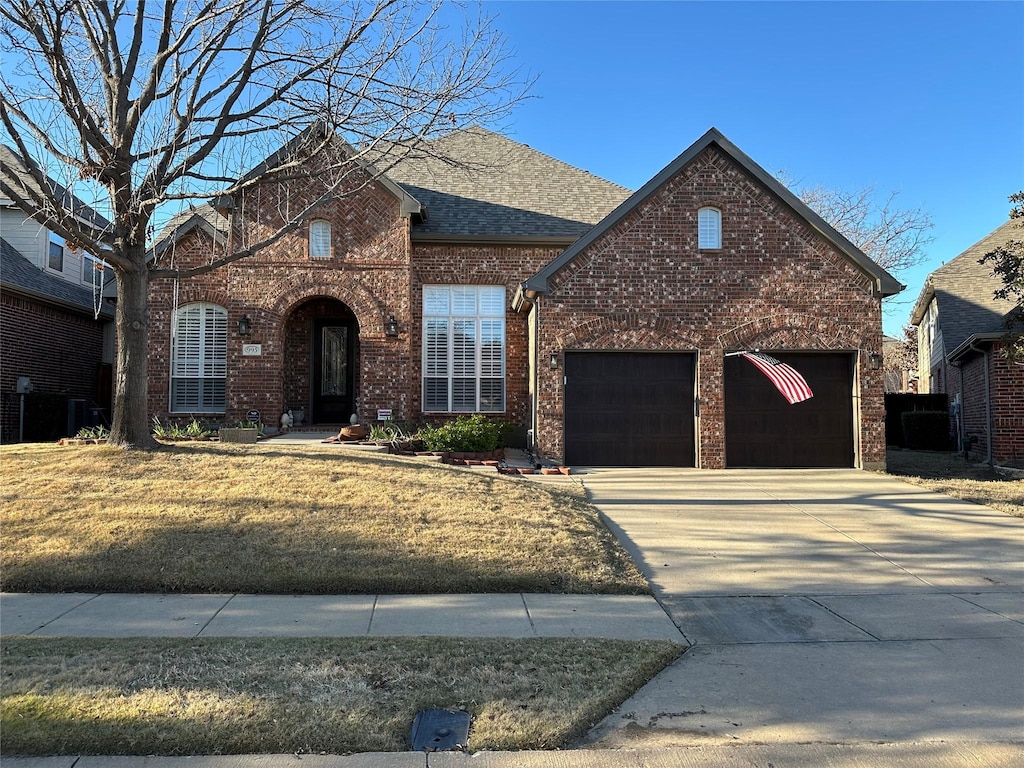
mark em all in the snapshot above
pixel 524 298
pixel 105 312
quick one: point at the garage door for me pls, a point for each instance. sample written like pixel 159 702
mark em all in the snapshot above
pixel 763 430
pixel 629 409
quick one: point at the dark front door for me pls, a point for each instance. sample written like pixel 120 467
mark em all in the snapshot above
pixel 763 430
pixel 333 374
pixel 629 409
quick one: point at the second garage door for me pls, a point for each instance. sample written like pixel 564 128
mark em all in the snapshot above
pixel 629 409
pixel 763 430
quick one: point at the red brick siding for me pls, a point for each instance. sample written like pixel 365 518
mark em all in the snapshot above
pixel 775 284
pixel 1005 397
pixel 1007 408
pixel 368 272
pixel 58 349
pixel 481 265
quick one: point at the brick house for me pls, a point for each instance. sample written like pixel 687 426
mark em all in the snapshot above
pixel 960 343
pixel 596 321
pixel 56 315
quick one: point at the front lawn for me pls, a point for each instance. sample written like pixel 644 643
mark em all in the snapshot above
pixel 208 517
pixel 235 696
pixel 951 474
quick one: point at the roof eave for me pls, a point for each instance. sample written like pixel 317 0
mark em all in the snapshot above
pixel 105 312
pixel 460 239
pixel 970 345
pixel 923 300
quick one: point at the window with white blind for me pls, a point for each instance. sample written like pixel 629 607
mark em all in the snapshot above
pixel 199 359
pixel 709 228
pixel 319 239
pixel 463 348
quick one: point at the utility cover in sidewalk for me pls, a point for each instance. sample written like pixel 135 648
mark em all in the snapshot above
pixel 436 730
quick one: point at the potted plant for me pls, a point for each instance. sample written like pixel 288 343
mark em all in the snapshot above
pixel 246 432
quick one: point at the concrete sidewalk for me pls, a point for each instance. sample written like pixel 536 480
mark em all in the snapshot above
pixel 917 755
pixel 631 617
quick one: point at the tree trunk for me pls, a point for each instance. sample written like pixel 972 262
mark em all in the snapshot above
pixel 130 428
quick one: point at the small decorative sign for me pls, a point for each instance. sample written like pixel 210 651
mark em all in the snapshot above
pixel 252 350
pixel 252 415
pixel 383 414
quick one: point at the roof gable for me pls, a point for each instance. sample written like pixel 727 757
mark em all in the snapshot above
pixel 15 179
pixel 963 288
pixel 885 283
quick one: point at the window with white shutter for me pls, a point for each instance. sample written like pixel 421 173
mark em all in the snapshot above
pixel 463 348
pixel 199 359
pixel 319 239
pixel 709 228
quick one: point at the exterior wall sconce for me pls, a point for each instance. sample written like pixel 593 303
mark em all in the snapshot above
pixel 391 327
pixel 244 325
pixel 553 361
pixel 875 361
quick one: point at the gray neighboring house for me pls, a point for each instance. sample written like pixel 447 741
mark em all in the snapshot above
pixel 56 324
pixel 961 331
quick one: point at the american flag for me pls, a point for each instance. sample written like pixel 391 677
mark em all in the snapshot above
pixel 790 383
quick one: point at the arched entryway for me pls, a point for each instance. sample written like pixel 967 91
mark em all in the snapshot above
pixel 321 361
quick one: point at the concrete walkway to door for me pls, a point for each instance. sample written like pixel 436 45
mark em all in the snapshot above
pixel 832 606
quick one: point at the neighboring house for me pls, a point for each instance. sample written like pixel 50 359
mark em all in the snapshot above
pixel 960 340
pixel 597 321
pixel 56 316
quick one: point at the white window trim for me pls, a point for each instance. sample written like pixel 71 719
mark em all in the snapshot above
pixel 207 363
pixel 442 365
pixel 63 254
pixel 317 226
pixel 709 239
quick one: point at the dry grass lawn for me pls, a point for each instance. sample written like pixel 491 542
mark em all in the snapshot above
pixel 205 517
pixel 950 474
pixel 233 696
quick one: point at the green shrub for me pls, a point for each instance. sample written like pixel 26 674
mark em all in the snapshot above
pixel 468 434
pixel 926 430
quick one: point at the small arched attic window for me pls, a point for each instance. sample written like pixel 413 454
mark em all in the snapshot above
pixel 319 239
pixel 709 228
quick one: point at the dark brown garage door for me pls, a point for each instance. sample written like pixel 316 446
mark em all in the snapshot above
pixel 763 430
pixel 629 409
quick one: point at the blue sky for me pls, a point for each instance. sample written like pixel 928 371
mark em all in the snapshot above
pixel 926 98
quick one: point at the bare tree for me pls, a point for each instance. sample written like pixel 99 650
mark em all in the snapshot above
pixel 141 108
pixel 899 360
pixel 895 238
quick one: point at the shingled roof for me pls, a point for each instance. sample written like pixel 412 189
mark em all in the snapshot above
pixel 19 275
pixel 963 290
pixel 477 184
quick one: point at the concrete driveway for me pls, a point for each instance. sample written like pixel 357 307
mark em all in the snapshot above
pixel 831 606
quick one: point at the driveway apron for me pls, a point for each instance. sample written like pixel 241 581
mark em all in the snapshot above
pixel 822 605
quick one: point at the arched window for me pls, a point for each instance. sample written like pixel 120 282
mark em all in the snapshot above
pixel 319 239
pixel 709 228
pixel 199 359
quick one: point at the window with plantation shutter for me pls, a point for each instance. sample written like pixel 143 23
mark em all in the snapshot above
pixel 320 239
pixel 709 228
pixel 199 359
pixel 463 349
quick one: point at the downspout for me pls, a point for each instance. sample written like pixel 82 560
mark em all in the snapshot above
pixel 988 409
pixel 535 308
